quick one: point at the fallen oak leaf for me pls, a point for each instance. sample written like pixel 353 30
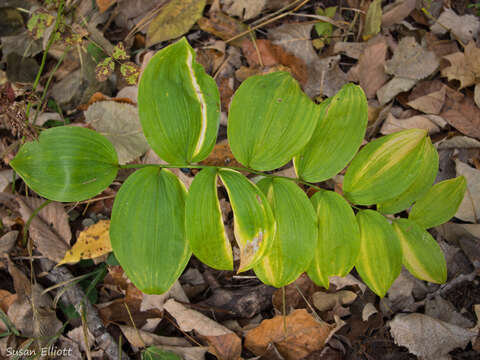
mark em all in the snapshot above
pixel 91 243
pixel 302 335
pixel 461 112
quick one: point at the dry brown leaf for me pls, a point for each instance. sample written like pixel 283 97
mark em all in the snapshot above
pixel 47 230
pixel 325 77
pixel 444 310
pixel 461 112
pixel 351 49
pixel 6 299
pixel 302 336
pixel 223 26
pixel 271 54
pixel 103 5
pixel 476 96
pixel 140 338
pixel 395 13
pixel 393 125
pixel 465 27
pixel 458 70
pixel 296 39
pixel 394 87
pixel 426 99
pixel 371 66
pixel 244 9
pixel 174 19
pixel 411 60
pixel 221 155
pixel 92 242
pixel 223 342
pixel 469 209
pixel 78 336
pixel 7 241
pixel 427 337
pixel 326 301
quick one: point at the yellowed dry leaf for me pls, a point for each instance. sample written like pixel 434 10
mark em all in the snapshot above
pixel 92 242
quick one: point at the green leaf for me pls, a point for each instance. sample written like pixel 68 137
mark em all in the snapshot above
pixel 204 223
pixel 339 133
pixel 67 163
pixel 147 229
pixel 380 259
pixel 253 221
pixel 325 29
pixel 373 20
pixel 385 167
pixel 270 121
pixel 174 19
pixel 179 105
pixel 439 204
pixel 422 255
pixel 296 235
pixel 424 180
pixel 338 241
pixel 155 353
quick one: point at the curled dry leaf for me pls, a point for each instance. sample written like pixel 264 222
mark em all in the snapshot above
pixel 7 241
pixel 427 337
pixel 91 243
pixel 302 335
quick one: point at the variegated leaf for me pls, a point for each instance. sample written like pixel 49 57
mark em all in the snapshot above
pixel 254 224
pixel 385 167
pixel 422 255
pixel 338 240
pixel 424 180
pixel 342 123
pixel 296 235
pixel 179 105
pixel 380 259
pixel 270 121
pixel 204 222
pixel 439 204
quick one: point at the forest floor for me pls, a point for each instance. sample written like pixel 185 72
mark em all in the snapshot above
pixel 418 63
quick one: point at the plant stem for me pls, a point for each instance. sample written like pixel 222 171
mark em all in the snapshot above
pixel 237 168
pixel 51 39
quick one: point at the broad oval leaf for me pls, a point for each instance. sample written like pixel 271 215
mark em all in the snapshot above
pixel 253 221
pixel 204 222
pixel 179 105
pixel 380 259
pixel 67 163
pixel 385 167
pixel 424 180
pixel 338 241
pixel 339 133
pixel 295 237
pixel 270 121
pixel 439 204
pixel 147 229
pixel 422 255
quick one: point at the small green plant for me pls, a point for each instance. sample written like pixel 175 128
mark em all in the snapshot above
pixel 281 233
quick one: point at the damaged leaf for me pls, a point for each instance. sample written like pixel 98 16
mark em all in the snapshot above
pixel 91 243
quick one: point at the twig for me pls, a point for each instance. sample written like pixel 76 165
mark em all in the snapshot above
pixel 74 295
